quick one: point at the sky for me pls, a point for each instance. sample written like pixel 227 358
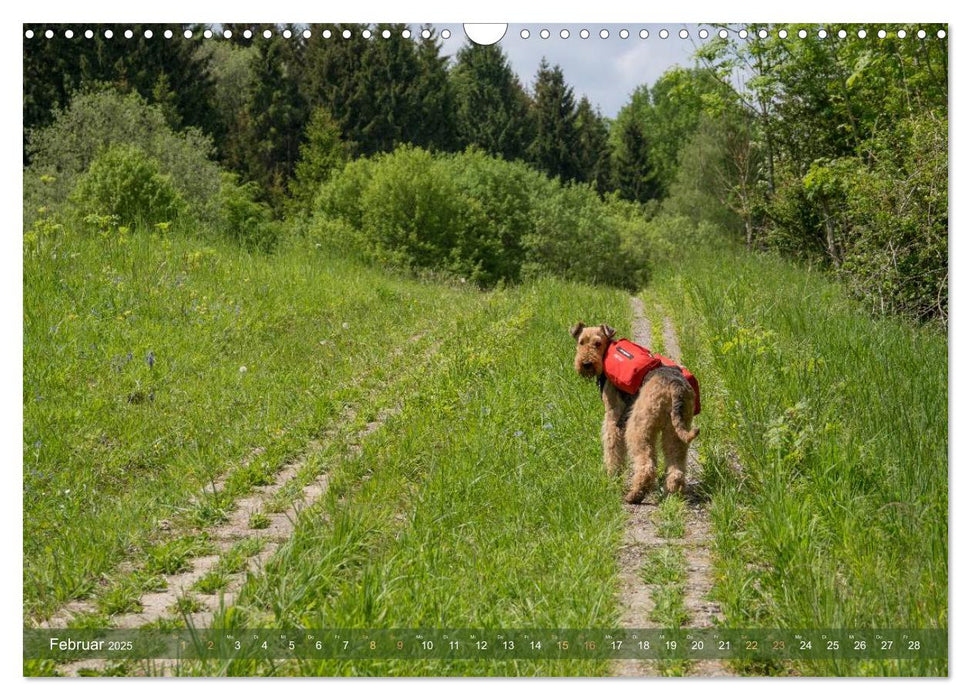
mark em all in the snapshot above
pixel 605 70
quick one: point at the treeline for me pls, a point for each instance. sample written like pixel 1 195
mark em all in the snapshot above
pixel 830 149
pixel 261 99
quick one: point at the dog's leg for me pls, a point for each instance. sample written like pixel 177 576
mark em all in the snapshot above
pixel 644 456
pixel 615 451
pixel 675 459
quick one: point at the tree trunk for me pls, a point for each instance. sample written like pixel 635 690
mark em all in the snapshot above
pixel 830 235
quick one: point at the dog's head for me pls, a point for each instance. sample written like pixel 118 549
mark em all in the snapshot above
pixel 592 342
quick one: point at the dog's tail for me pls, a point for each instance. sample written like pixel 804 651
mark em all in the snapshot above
pixel 682 426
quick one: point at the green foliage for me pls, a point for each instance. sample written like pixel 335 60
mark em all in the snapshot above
pixel 593 147
pixel 341 196
pixel 478 217
pixel 127 185
pixel 242 217
pixel 492 109
pixel 553 110
pixel 667 236
pixel 64 150
pixel 844 157
pixel 635 175
pixel 667 113
pixel 417 216
pixel 715 181
pixel 174 72
pixel 233 69
pixel 112 155
pixel 436 127
pixel 381 93
pixel 892 219
pixel 577 236
pixel 276 117
pixel 322 152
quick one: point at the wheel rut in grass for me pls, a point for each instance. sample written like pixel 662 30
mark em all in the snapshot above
pixel 702 611
pixel 275 529
pixel 640 533
pixel 643 538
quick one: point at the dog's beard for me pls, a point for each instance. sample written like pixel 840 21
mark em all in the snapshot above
pixel 594 370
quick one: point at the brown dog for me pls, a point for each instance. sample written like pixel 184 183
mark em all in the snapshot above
pixel 664 406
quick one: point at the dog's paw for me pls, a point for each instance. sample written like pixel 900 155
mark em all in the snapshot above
pixel 634 497
pixel 674 484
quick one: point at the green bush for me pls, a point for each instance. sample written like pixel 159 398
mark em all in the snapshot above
pixel 896 222
pixel 114 155
pixel 479 217
pixel 880 221
pixel 504 191
pixel 341 196
pixel 578 237
pixel 95 121
pixel 123 182
pixel 413 213
pixel 242 217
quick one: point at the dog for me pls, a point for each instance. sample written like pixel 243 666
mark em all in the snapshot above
pixel 664 406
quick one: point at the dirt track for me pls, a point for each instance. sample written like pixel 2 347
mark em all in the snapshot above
pixel 640 535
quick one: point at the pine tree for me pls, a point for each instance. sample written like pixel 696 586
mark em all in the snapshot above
pixel 435 128
pixel 635 177
pixel 593 147
pixel 554 144
pixel 492 109
pixel 276 115
pixel 165 97
pixel 333 79
pixel 389 73
pixel 321 153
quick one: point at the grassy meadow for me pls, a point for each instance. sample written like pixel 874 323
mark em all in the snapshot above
pixel 156 363
pixel 187 360
pixel 159 362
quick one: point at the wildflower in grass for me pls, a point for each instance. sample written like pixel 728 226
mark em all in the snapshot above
pixel 150 360
pixel 242 369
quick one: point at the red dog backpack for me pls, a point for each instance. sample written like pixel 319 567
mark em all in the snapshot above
pixel 626 364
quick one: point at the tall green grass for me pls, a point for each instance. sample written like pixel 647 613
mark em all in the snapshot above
pixel 838 424
pixel 156 362
pixel 483 504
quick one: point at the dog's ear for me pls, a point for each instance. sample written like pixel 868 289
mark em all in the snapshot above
pixel 607 331
pixel 577 329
